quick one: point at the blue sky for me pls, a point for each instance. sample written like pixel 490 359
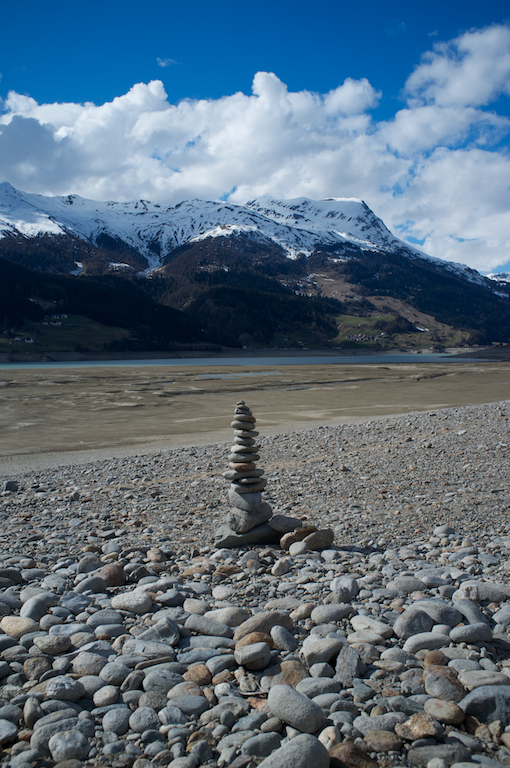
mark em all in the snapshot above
pixel 405 105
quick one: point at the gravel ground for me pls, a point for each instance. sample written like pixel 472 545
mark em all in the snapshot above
pixel 391 479
pixel 424 497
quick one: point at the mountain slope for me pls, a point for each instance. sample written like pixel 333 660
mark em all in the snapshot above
pixel 29 298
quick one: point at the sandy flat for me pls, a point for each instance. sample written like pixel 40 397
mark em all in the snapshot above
pixel 52 417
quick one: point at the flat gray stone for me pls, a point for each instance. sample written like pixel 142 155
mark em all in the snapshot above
pixel 105 616
pixel 261 745
pixel 114 673
pixel 426 640
pixel 191 705
pixel 248 502
pixel 164 631
pixel 283 639
pixel 161 681
pixel 317 649
pixel 69 745
pixel 472 633
pixel 64 688
pixel 386 722
pixel 241 522
pixel 255 656
pixel 345 585
pixel 471 611
pixel 243 488
pixel 476 678
pixel 172 716
pixel 349 666
pixel 136 601
pixel 450 753
pixel 316 686
pixel 91 584
pixel 36 607
pixel 285 523
pixel 303 751
pixel 207 626
pixel 8 731
pixel 488 703
pixel 42 735
pixel 406 584
pixel 482 591
pixel 261 534
pixel 116 720
pixel 295 709
pixel 324 614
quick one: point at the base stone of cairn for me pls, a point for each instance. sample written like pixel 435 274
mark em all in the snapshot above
pixel 249 520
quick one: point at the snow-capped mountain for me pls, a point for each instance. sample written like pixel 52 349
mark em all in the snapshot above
pixel 297 226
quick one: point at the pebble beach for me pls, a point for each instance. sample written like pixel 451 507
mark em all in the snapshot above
pixel 127 638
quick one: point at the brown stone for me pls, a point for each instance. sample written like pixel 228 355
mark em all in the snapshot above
pixel 156 555
pixel 298 535
pixel 505 739
pixel 225 676
pixel 201 735
pixel 210 695
pixel 112 574
pixel 292 672
pixel 418 726
pixel 435 659
pixel 319 540
pixel 446 712
pixel 242 467
pixel 35 666
pixel 227 570
pixel 199 568
pixel 257 703
pixel 496 728
pixel 351 756
pixel 17 626
pixel 263 622
pixel 255 637
pixel 199 674
pixel 382 741
pixel 303 611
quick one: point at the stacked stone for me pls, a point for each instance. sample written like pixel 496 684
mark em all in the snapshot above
pixel 247 520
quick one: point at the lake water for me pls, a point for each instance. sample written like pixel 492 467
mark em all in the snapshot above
pixel 250 362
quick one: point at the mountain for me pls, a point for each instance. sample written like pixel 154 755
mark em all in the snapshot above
pixel 268 272
pixel 297 226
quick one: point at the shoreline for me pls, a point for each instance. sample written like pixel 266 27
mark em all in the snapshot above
pixel 490 353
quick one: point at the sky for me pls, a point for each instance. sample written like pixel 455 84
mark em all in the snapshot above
pixel 404 105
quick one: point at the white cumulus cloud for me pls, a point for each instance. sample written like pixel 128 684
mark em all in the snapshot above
pixel 435 172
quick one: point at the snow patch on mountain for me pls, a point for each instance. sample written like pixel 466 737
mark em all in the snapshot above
pixel 499 277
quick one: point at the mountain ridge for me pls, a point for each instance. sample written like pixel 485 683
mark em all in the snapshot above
pixel 299 226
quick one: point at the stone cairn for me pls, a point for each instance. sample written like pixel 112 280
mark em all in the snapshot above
pixel 248 511
pixel 251 520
